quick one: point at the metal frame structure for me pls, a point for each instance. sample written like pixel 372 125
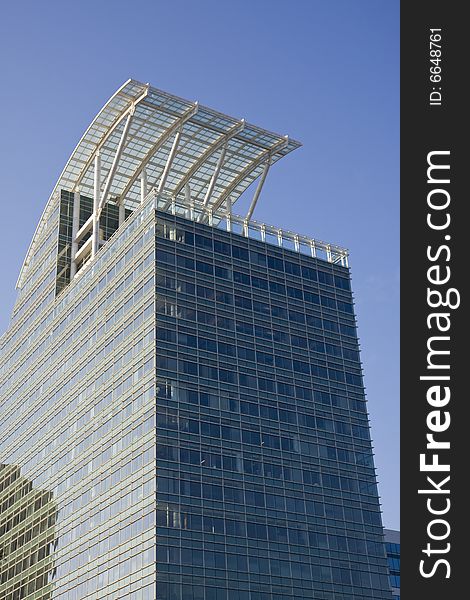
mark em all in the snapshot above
pixel 144 138
pixel 251 229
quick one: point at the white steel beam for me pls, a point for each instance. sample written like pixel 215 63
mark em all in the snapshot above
pixel 158 144
pixel 219 142
pixel 187 194
pixel 215 174
pixel 228 206
pixel 169 162
pixel 143 185
pixel 265 155
pixel 96 202
pixel 258 189
pixel 108 133
pixel 84 250
pixel 122 213
pixel 117 158
pixel 75 225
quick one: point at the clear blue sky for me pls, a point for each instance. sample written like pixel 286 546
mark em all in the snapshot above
pixel 324 71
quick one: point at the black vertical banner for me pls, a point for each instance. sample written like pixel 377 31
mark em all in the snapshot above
pixel 435 329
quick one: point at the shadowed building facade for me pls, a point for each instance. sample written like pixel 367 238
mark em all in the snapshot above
pixel 184 382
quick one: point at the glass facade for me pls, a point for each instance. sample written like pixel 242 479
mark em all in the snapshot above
pixel 185 420
pixel 77 397
pixel 109 223
pixel 265 480
pixel 392 547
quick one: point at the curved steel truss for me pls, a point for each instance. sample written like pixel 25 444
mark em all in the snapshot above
pixel 145 138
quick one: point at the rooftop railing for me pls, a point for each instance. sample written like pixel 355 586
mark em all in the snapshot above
pixel 197 212
pixel 250 228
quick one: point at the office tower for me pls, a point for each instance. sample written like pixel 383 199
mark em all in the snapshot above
pixel 392 547
pixel 182 383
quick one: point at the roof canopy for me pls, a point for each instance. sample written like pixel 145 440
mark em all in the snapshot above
pixel 175 145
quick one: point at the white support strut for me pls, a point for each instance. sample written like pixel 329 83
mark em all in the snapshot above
pixel 215 174
pixel 187 194
pixel 258 189
pixel 75 225
pixel 219 142
pixel 117 157
pixel 266 154
pixel 96 202
pixel 143 185
pixel 169 162
pixel 109 132
pixel 177 124
pixel 122 213
pixel 137 145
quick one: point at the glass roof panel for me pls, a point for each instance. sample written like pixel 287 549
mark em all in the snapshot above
pixel 157 120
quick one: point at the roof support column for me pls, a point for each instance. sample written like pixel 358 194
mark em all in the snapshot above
pixel 188 202
pixel 220 142
pixel 143 185
pixel 75 226
pixel 169 162
pixel 228 213
pixel 110 130
pixel 96 203
pixel 175 126
pixel 258 189
pixel 215 174
pixel 265 158
pixel 117 158
pixel 122 213
pixel 228 205
pixel 187 194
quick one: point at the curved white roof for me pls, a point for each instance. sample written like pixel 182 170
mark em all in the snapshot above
pixel 216 155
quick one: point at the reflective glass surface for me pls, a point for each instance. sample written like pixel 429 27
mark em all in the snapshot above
pixel 185 420
pixel 77 451
pixel 392 547
pixel 265 480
